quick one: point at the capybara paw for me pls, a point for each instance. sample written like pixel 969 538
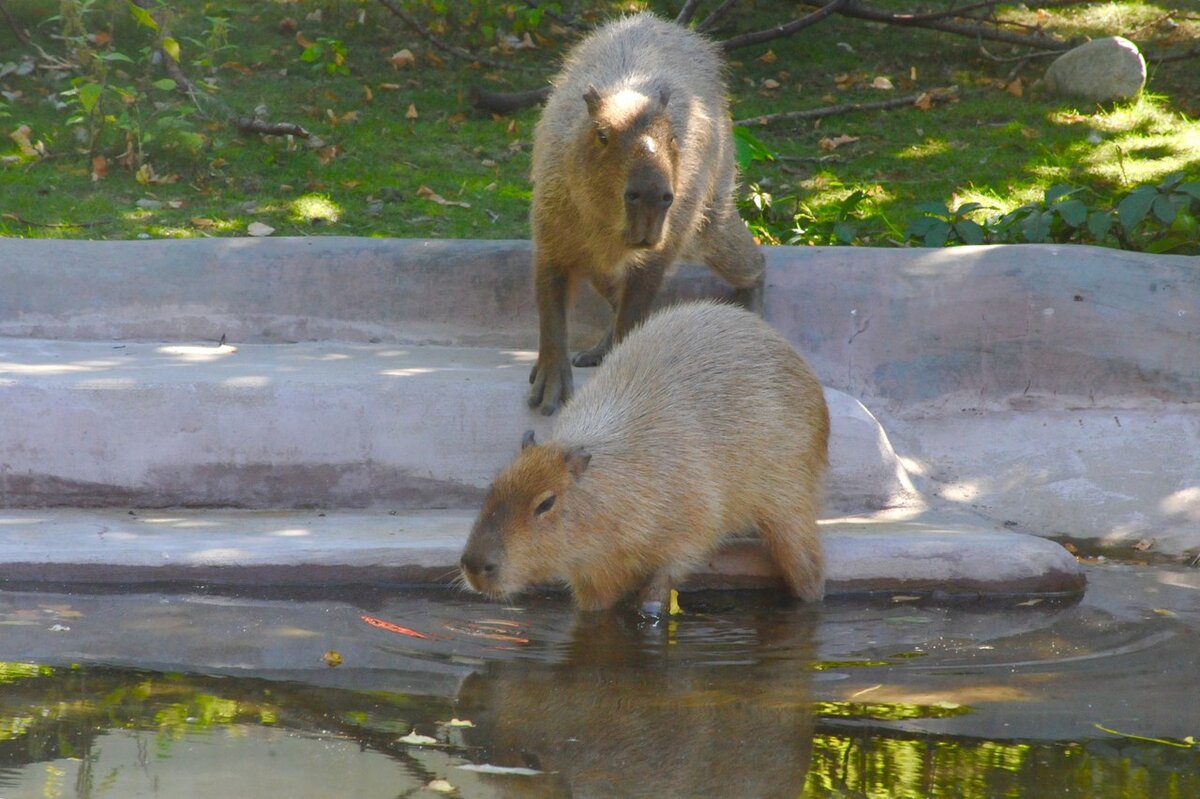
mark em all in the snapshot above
pixel 588 358
pixel 550 390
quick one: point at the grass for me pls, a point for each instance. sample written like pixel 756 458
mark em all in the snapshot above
pixel 400 152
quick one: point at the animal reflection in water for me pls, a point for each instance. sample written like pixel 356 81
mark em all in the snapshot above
pixel 628 713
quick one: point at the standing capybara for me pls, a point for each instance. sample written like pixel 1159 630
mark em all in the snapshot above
pixel 703 422
pixel 633 168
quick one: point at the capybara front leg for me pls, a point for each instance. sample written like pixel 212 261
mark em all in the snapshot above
pixel 637 295
pixel 795 545
pixel 551 375
pixel 654 599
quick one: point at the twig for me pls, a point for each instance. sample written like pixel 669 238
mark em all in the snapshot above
pixel 17 30
pixel 445 47
pixel 1191 52
pixel 938 95
pixel 184 84
pixel 31 223
pixel 507 102
pixel 687 12
pixel 716 16
pixel 780 31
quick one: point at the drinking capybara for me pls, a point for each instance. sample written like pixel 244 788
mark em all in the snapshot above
pixel 703 422
pixel 633 169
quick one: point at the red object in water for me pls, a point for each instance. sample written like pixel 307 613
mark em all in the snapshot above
pixel 391 628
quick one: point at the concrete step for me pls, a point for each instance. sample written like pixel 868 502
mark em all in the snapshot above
pixel 936 553
pixel 316 424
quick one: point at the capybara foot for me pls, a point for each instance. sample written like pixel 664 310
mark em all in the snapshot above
pixel 552 386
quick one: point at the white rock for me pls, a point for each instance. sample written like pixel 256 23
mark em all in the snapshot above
pixel 1102 70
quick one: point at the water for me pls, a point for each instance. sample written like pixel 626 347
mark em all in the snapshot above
pixel 189 695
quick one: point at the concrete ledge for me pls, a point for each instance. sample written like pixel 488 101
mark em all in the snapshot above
pixel 232 548
pixel 897 325
pixel 328 424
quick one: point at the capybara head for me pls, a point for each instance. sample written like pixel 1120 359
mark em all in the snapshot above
pixel 517 541
pixel 632 160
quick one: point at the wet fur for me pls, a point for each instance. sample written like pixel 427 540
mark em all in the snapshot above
pixel 703 423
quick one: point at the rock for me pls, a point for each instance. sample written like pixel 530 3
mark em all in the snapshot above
pixel 1102 70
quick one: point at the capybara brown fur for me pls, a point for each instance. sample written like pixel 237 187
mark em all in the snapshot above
pixel 704 422
pixel 633 169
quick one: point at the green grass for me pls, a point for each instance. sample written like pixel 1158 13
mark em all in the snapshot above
pixel 367 175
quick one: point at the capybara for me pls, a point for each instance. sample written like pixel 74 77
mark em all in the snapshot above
pixel 633 169
pixel 621 715
pixel 703 422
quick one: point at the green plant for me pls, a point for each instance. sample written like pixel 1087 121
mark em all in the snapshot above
pixel 1060 216
pixel 1162 217
pixel 939 225
pixel 327 55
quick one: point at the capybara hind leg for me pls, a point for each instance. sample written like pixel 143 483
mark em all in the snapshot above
pixel 731 252
pixel 795 545
pixel 611 292
pixel 593 357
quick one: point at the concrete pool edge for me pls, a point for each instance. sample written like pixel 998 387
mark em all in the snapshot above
pixel 952 556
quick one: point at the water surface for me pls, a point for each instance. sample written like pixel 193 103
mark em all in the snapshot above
pixel 201 694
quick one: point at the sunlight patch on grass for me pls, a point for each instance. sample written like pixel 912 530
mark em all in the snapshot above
pixel 315 208
pixel 925 149
pixel 1138 158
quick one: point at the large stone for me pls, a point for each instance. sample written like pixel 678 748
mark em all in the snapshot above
pixel 1101 70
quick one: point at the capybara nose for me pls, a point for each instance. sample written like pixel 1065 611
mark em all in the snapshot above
pixel 636 197
pixel 478 566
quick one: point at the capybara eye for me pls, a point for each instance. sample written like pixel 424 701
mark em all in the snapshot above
pixel 545 505
pixel 601 136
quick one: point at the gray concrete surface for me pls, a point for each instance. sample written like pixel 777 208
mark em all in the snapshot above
pixel 1052 389
pixel 222 548
pixel 324 424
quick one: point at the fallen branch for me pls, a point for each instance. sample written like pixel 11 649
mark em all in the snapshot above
pixel 18 31
pixel 780 31
pixel 56 225
pixel 185 85
pixel 507 102
pixel 716 16
pixel 934 95
pixel 687 12
pixel 854 10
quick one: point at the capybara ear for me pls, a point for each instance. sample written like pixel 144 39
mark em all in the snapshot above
pixel 664 97
pixel 577 460
pixel 592 98
pixel 527 440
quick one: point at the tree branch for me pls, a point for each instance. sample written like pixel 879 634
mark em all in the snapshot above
pixel 17 30
pixel 184 84
pixel 716 16
pixel 854 10
pixel 780 31
pixel 935 95
pixel 687 12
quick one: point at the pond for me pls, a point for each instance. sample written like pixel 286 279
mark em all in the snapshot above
pixel 334 694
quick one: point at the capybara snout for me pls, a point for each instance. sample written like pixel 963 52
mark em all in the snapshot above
pixel 648 197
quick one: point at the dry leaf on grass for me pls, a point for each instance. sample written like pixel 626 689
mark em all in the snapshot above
pixel 258 229
pixel 830 144
pixel 402 58
pixel 882 83
pixel 433 196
